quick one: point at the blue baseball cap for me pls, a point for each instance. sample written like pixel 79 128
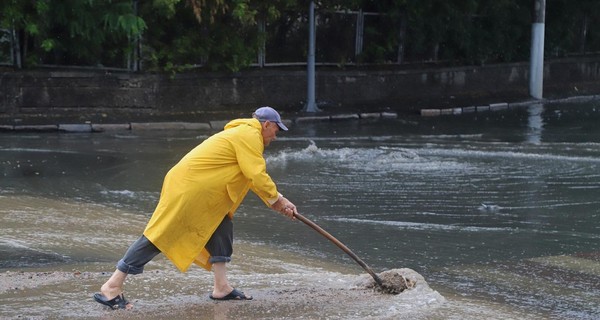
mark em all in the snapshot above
pixel 269 114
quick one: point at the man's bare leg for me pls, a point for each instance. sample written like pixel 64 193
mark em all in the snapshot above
pixel 114 286
pixel 221 285
pixel 222 288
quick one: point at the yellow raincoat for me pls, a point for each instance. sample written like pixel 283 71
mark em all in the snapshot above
pixel 208 183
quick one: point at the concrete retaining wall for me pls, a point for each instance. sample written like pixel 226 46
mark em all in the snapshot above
pixel 43 97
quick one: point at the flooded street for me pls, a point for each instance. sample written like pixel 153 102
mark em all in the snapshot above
pixel 498 212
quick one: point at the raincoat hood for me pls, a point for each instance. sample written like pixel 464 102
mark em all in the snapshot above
pixel 254 123
pixel 239 122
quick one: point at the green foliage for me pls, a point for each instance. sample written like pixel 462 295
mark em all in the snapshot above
pixel 216 34
pixel 166 8
pixel 177 35
pixel 72 32
pixel 572 29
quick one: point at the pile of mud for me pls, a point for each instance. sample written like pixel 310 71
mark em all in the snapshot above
pixel 394 281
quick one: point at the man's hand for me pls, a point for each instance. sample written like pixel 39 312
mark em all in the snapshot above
pixel 285 207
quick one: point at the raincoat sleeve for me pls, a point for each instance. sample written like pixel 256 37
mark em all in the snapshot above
pixel 249 151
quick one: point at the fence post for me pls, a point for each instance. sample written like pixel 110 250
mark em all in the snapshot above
pixel 262 47
pixel 360 28
pixel 137 43
pixel 401 38
pixel 536 68
pixel 311 105
pixel 15 49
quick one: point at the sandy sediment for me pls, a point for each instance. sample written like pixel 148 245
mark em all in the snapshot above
pixel 164 293
pixel 299 292
pixel 285 285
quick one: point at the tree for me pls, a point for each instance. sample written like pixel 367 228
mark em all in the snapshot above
pixel 226 35
pixel 72 32
pixel 175 35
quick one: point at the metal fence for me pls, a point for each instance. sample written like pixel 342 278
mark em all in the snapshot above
pixel 342 38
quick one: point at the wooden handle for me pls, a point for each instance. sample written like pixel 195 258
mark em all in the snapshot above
pixel 340 245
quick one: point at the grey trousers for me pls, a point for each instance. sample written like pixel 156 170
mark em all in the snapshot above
pixel 142 251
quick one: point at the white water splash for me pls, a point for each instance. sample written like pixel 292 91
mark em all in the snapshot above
pixel 381 159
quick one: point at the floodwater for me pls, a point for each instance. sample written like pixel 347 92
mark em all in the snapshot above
pixel 498 212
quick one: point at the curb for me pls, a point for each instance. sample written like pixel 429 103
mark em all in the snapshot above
pixel 503 106
pixel 212 125
pixel 219 124
pixel 472 109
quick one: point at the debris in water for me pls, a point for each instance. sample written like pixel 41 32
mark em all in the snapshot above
pixel 489 207
pixel 394 281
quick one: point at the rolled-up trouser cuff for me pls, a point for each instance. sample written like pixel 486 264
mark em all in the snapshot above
pixel 220 244
pixel 124 267
pixel 219 259
pixel 137 256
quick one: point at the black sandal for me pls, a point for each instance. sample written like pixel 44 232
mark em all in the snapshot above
pixel 118 302
pixel 233 295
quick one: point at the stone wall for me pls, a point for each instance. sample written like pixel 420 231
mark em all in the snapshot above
pixel 44 96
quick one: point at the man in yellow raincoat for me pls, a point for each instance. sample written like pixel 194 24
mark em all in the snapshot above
pixel 200 194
